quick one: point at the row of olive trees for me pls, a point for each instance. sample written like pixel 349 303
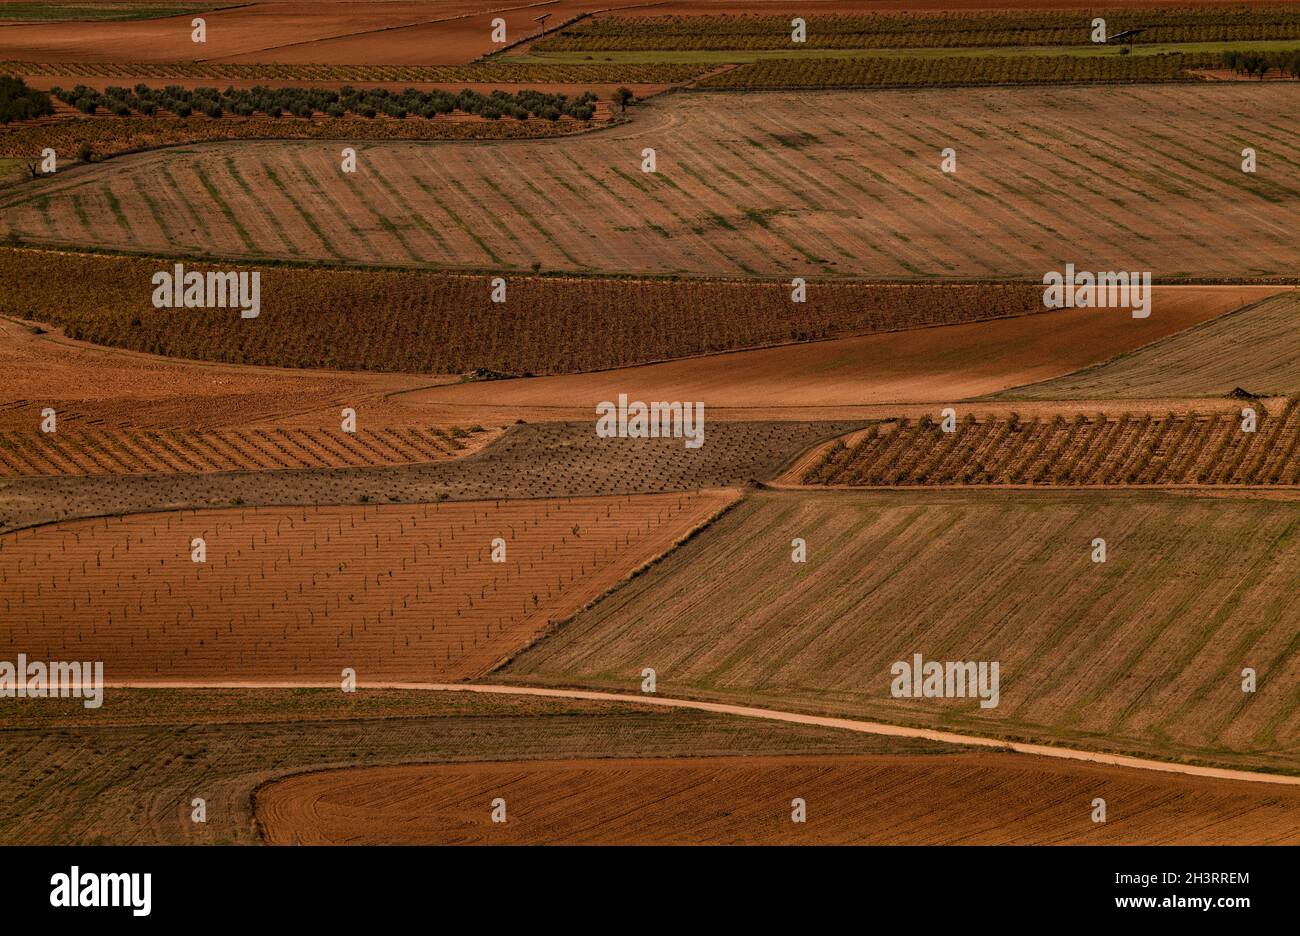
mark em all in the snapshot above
pixel 1260 64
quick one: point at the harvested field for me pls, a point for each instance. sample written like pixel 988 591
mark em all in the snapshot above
pixel 125 773
pixel 1117 450
pixel 532 461
pixel 393 592
pixel 125 453
pixel 441 323
pixel 920 365
pixel 1141 654
pixel 965 799
pixel 1256 349
pixel 857 191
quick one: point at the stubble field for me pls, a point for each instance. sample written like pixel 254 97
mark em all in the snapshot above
pixel 1141 654
pixel 821 184
pixel 126 773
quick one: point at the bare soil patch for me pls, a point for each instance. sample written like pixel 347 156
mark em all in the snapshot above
pixel 1256 349
pixel 393 592
pixel 966 799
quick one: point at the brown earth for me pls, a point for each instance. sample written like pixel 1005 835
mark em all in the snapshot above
pixel 1140 655
pixel 860 193
pixel 394 592
pixel 931 365
pixel 124 452
pixel 966 799
pixel 1256 349
pixel 1160 450
pixel 531 461
pixel 125 773
pixel 104 388
pixel 335 32
pixel 381 33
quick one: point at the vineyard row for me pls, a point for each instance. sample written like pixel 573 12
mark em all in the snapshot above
pixel 99 452
pixel 924 30
pixel 887 72
pixel 427 322
pixel 1173 449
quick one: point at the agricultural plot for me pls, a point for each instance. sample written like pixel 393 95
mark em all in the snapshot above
pixel 531 461
pixel 451 31
pixel 479 73
pixel 433 592
pixel 826 185
pixel 940 365
pixel 1172 449
pixel 891 71
pixel 144 452
pixel 95 390
pixel 111 136
pixel 1140 654
pixel 438 323
pixel 946 29
pixel 128 776
pixel 1256 349
pixel 968 799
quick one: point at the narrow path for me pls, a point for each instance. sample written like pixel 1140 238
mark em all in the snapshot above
pixel 798 718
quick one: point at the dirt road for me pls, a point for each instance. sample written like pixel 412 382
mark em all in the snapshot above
pixel 799 718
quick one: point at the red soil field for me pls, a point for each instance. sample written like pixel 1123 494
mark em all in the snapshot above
pixel 397 592
pixel 941 364
pixel 965 799
pixel 404 33
pixel 99 388
pixel 258 28
pixel 116 452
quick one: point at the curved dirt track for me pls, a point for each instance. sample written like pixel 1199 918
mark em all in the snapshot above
pixel 799 718
pixel 969 798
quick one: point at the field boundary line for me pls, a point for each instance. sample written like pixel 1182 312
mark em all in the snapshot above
pixel 1003 395
pixel 798 718
pixel 737 496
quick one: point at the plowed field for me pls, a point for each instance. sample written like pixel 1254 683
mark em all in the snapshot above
pixel 966 799
pixel 394 592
